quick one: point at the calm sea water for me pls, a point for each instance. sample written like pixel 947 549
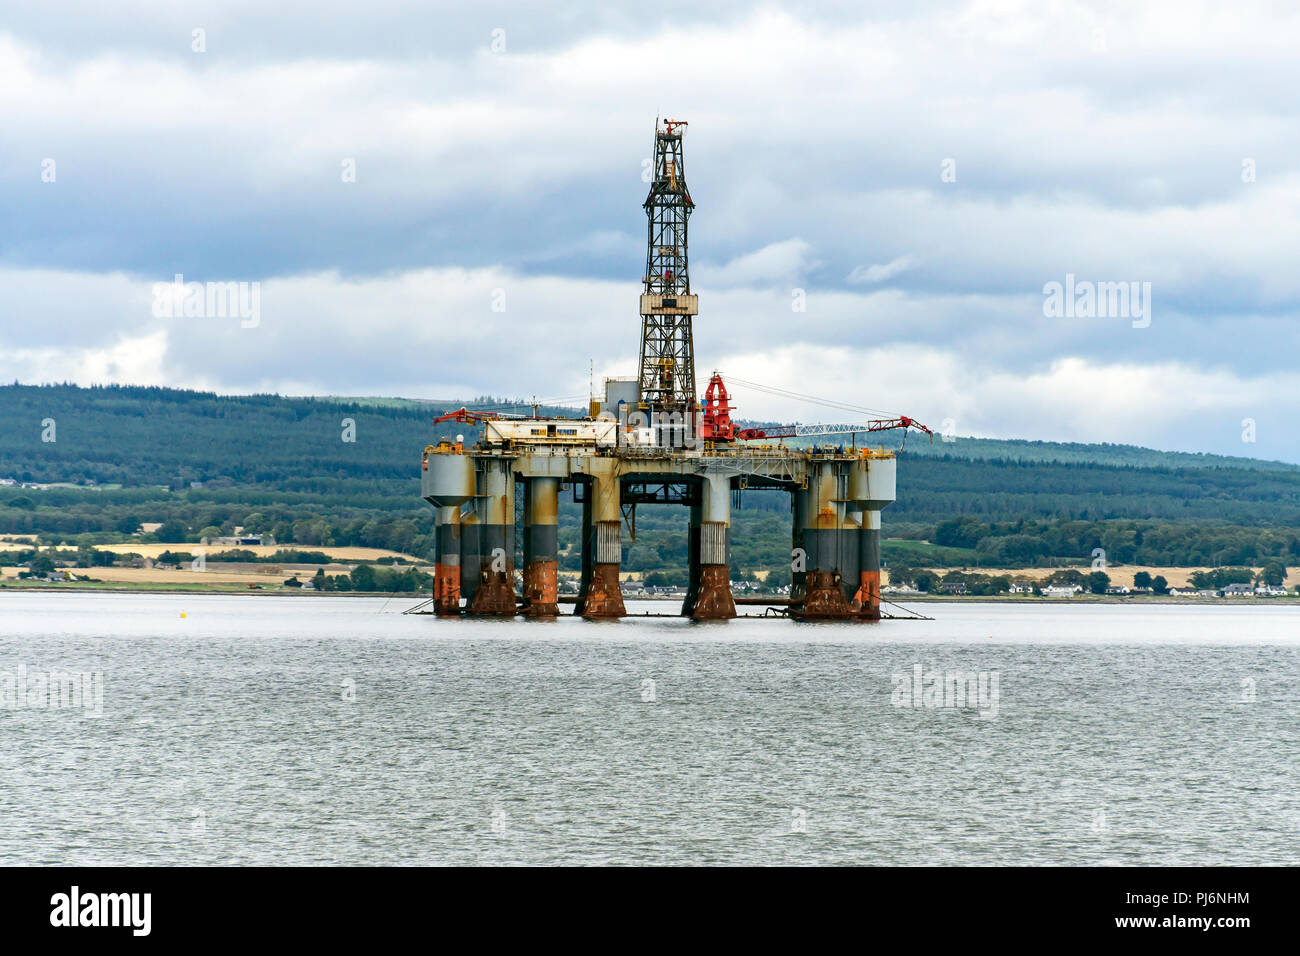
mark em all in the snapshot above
pixel 317 730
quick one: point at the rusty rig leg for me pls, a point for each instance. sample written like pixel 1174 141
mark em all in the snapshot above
pixel 871 488
pixel 446 572
pixel 714 601
pixel 541 578
pixel 604 597
pixel 496 590
pixel 866 603
pixel 824 599
pixel 447 482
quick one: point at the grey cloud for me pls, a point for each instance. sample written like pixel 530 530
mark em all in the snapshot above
pixel 814 154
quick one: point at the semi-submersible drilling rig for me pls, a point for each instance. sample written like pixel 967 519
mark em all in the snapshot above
pixel 648 440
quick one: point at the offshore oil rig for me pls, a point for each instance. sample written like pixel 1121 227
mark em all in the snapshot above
pixel 648 440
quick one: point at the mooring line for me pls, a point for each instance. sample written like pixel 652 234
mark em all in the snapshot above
pixel 915 615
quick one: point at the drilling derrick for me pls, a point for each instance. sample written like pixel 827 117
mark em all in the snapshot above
pixel 667 375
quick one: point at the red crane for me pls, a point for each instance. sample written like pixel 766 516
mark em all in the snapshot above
pixel 715 422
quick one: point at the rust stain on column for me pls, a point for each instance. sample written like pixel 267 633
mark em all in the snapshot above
pixel 825 598
pixel 446 590
pixel 715 602
pixel 541 589
pixel 604 599
pixel 495 595
pixel 541 571
pixel 446 571
pixel 866 602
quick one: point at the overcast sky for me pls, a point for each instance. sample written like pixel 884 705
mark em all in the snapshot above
pixel 921 171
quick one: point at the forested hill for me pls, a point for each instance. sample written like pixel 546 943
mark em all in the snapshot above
pixel 142 436
pixel 136 436
pixel 997 449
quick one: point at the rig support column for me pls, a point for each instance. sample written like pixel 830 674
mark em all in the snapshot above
pixel 866 602
pixel 446 572
pixel 496 589
pixel 714 601
pixel 447 481
pixel 541 516
pixel 604 597
pixel 824 598
pixel 871 488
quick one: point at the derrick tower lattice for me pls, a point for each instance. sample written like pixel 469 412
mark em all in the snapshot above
pixel 667 370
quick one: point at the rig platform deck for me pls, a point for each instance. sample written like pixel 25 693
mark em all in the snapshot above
pixel 836 498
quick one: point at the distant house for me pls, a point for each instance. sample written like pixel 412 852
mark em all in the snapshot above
pixel 887 589
pixel 953 587
pixel 1238 590
pixel 1139 590
pixel 1208 592
pixel 1269 590
pixel 1022 587
pixel 1062 590
pixel 241 539
pixel 1117 589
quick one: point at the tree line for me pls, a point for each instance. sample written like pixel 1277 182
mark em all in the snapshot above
pixel 281 466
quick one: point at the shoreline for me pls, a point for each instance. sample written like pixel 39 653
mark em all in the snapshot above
pixel 279 591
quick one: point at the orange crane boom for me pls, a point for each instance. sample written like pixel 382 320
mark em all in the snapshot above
pixel 468 417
